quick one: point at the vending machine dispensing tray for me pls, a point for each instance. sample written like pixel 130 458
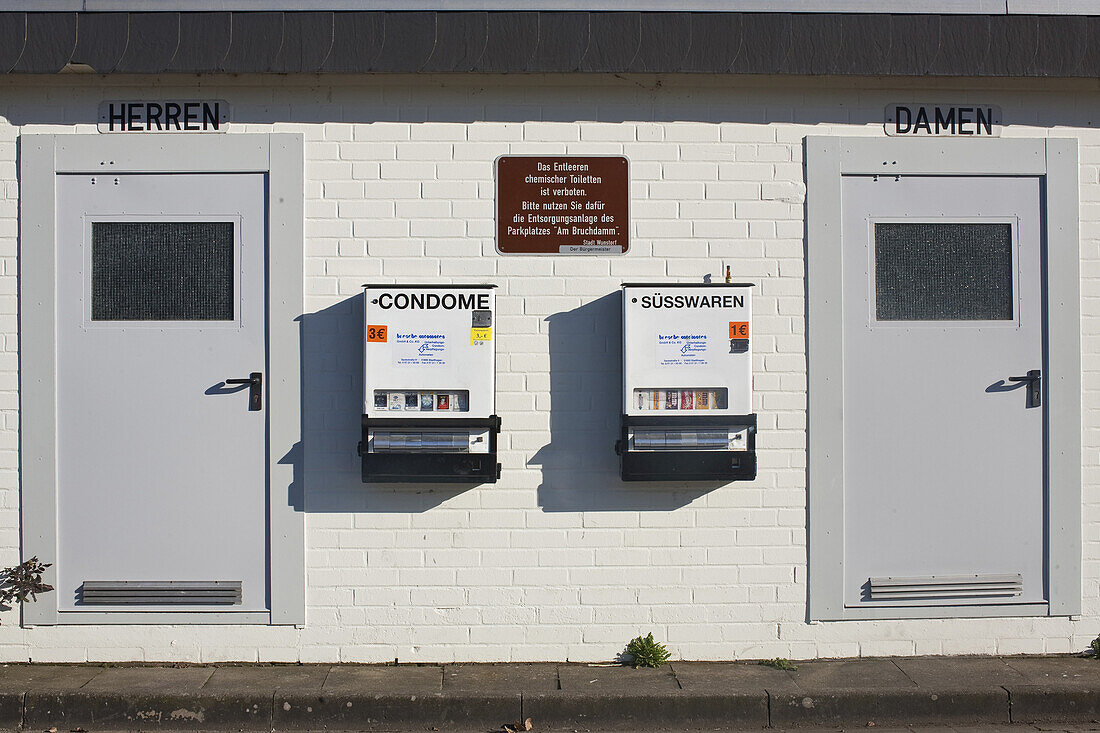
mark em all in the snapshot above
pixel 435 457
pixel 679 461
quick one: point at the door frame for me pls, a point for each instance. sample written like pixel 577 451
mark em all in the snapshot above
pixel 280 156
pixel 1054 160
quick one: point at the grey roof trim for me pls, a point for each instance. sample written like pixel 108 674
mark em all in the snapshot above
pixel 864 44
pixel 998 7
pixel 1054 7
pixel 978 7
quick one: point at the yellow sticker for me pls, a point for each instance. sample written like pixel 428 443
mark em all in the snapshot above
pixel 480 334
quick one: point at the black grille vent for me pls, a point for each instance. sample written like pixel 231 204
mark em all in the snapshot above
pixel 944 587
pixel 159 593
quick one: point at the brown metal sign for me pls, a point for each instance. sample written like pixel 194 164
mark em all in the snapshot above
pixel 562 205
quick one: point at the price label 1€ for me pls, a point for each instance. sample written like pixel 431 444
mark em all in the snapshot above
pixel 739 329
pixel 378 333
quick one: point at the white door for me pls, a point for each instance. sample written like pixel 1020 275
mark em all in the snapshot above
pixel 162 486
pixel 943 452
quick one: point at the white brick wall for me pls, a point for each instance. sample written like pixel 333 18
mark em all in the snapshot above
pixel 559 560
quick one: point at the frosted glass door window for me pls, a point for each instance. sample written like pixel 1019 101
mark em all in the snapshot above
pixel 162 271
pixel 943 272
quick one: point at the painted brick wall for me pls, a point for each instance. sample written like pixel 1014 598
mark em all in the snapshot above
pixel 559 560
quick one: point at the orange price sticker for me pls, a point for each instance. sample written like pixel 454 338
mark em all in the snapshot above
pixel 378 333
pixel 739 329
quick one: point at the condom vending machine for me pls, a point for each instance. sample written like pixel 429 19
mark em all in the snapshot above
pixel 429 397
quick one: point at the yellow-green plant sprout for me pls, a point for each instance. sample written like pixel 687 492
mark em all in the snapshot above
pixel 779 663
pixel 645 652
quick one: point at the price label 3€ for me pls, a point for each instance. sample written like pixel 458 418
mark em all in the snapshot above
pixel 377 333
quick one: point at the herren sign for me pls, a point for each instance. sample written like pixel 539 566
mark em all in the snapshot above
pixel 943 120
pixel 563 205
pixel 170 115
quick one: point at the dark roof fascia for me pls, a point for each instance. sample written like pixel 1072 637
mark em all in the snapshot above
pixel 318 42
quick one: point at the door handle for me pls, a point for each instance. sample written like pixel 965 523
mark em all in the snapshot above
pixel 255 384
pixel 1034 379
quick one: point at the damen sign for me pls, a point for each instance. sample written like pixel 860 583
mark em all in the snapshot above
pixel 168 115
pixel 943 120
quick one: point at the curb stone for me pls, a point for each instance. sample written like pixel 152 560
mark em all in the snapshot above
pixel 930 691
pixel 1043 703
pixel 70 710
pixel 570 711
pixel 365 712
pixel 858 708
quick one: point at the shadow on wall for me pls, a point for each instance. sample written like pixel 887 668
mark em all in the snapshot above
pixel 469 99
pixel 332 406
pixel 580 470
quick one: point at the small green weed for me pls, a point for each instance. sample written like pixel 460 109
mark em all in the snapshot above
pixel 645 652
pixel 779 663
pixel 1095 646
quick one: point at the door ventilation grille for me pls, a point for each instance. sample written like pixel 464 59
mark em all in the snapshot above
pixel 934 587
pixel 159 593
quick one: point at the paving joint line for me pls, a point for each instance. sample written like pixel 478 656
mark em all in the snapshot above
pixel 209 677
pixel 904 673
pixel 1008 692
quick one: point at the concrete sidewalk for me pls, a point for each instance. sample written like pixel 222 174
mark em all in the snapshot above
pixel 941 691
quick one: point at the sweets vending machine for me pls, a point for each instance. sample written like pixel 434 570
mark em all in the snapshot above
pixel 687 383
pixel 429 397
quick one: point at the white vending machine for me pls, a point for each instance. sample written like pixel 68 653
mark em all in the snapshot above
pixel 687 383
pixel 429 397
